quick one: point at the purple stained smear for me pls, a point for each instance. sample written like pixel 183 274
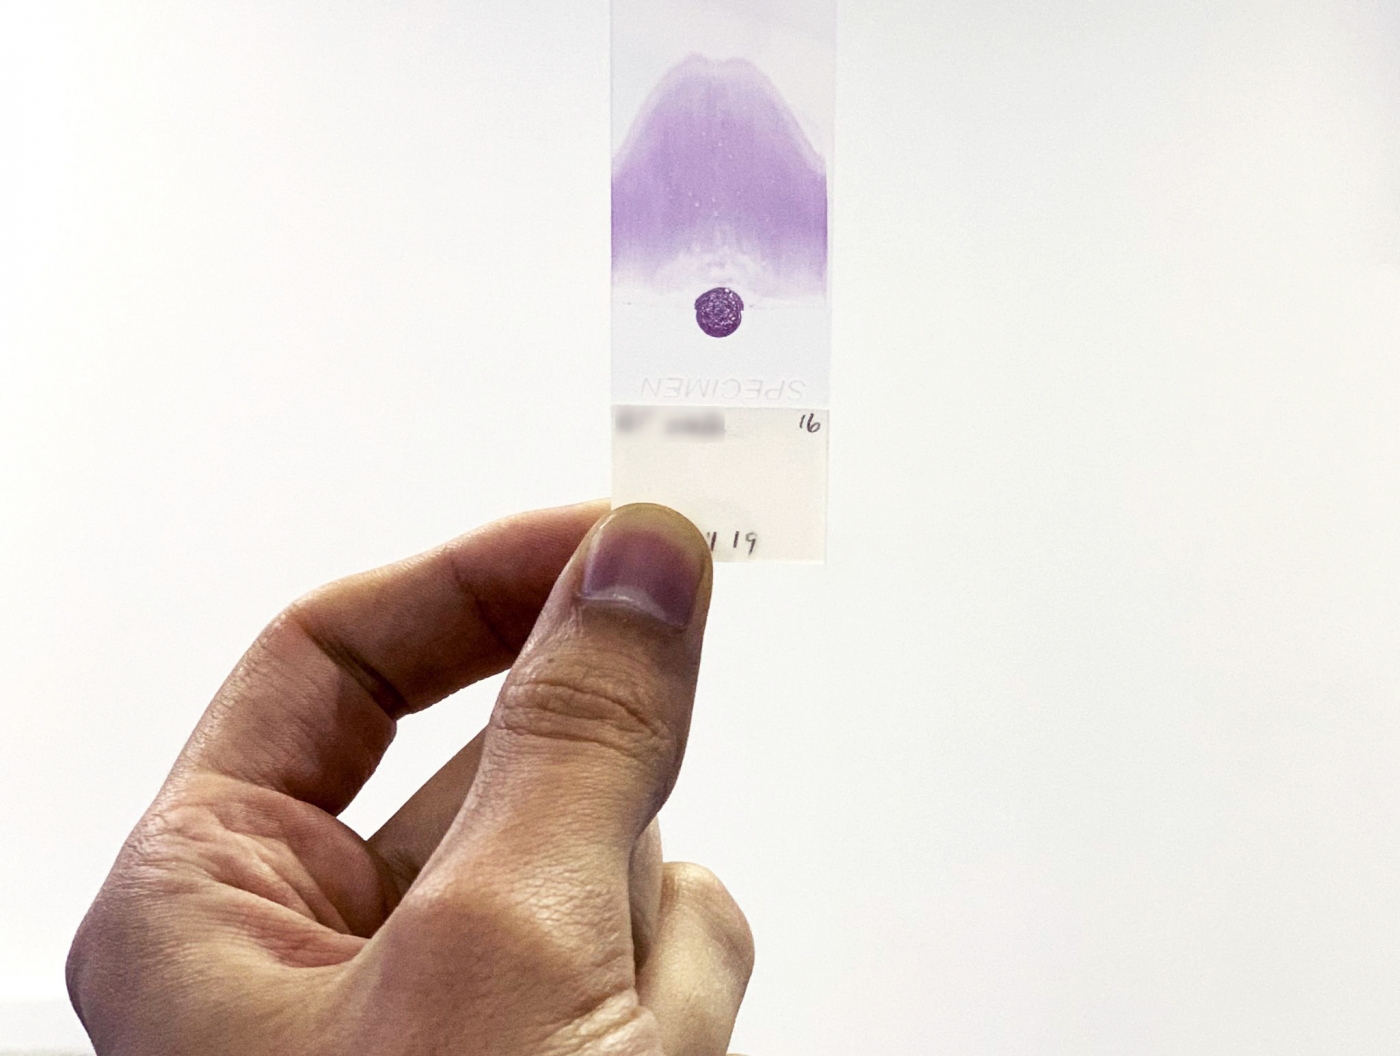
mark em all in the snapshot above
pixel 716 180
pixel 719 311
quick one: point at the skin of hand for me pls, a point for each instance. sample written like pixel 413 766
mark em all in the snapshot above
pixel 517 904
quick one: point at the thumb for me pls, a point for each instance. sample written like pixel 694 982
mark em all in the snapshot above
pixel 587 735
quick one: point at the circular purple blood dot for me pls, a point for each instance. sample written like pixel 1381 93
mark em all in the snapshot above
pixel 719 311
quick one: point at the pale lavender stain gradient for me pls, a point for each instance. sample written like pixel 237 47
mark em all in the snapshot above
pixel 716 169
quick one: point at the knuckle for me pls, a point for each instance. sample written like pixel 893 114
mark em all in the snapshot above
pixel 275 656
pixel 294 624
pixel 573 698
pixel 312 619
pixel 701 894
pixel 320 603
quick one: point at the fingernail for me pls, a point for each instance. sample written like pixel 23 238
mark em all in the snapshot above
pixel 649 559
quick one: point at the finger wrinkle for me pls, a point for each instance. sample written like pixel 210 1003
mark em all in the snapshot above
pixel 353 664
pixel 556 709
pixel 240 846
pixel 486 617
pixel 619 1023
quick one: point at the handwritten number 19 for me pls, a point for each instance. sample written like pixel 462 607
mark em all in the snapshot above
pixel 749 537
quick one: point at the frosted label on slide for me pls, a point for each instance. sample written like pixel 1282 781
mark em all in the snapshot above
pixel 753 479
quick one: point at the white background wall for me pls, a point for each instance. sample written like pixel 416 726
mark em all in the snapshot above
pixel 1086 739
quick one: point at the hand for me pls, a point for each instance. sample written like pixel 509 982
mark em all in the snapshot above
pixel 517 904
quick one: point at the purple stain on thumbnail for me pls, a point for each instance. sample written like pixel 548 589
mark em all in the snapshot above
pixel 719 311
pixel 717 179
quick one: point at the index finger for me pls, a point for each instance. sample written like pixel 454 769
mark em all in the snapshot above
pixel 312 705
